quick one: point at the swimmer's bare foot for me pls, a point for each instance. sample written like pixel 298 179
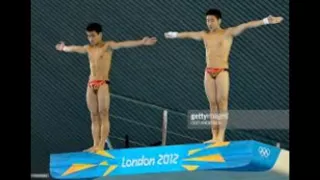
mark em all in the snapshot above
pixel 91 149
pixel 100 147
pixel 213 140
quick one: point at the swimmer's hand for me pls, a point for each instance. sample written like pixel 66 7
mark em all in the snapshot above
pixel 272 20
pixel 147 41
pixel 60 46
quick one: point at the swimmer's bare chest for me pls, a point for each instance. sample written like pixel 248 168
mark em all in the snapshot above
pixel 218 47
pixel 100 61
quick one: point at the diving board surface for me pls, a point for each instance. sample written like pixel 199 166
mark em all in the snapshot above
pixel 241 156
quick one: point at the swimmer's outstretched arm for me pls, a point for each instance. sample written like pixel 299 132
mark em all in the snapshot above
pixel 78 49
pixel 146 41
pixel 197 35
pixel 237 30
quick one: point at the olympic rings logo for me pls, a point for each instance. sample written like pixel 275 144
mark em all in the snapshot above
pixel 264 152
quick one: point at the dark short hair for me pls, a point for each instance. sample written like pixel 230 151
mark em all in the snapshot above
pixel 94 27
pixel 214 12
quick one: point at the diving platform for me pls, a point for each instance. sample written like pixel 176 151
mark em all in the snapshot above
pixel 235 157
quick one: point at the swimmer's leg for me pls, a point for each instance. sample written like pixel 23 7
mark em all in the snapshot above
pixel 104 104
pixel 223 85
pixel 92 103
pixel 210 89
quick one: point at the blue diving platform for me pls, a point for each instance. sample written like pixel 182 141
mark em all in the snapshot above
pixel 236 156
